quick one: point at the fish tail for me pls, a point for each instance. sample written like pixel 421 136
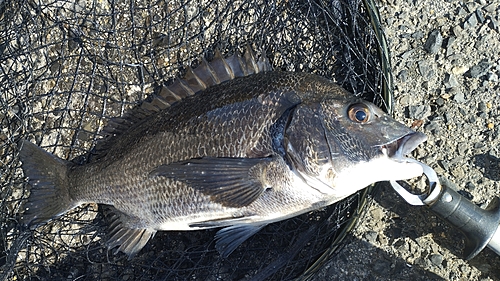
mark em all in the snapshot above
pixel 48 178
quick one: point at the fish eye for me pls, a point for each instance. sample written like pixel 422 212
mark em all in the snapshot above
pixel 359 113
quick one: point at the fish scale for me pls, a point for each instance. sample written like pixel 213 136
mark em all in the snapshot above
pixel 262 147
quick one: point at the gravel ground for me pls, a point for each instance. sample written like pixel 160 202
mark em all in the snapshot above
pixel 446 63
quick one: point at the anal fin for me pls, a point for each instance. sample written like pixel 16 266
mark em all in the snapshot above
pixel 130 240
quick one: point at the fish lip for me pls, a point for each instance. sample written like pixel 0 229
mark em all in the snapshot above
pixel 403 146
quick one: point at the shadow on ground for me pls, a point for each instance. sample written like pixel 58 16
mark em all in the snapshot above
pixel 430 234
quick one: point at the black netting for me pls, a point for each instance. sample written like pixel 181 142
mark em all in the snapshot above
pixel 68 66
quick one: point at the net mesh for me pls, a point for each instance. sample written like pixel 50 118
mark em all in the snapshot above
pixel 68 66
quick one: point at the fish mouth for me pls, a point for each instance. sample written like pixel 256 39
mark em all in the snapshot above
pixel 403 146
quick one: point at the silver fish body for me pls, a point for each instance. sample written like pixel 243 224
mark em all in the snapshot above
pixel 239 155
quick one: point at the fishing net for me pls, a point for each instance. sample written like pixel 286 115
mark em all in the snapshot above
pixel 68 66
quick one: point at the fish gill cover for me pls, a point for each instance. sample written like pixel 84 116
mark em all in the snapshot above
pixel 67 67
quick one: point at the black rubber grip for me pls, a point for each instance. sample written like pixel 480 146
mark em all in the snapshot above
pixel 478 225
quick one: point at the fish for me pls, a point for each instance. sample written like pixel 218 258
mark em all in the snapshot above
pixel 233 145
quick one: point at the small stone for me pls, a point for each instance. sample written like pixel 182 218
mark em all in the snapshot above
pixel 377 214
pixel 493 24
pixel 446 96
pixel 493 77
pixel 481 106
pixel 462 147
pixel 424 263
pixel 461 12
pixel 406 35
pixel 450 41
pixel 436 259
pixel 389 21
pixel 458 172
pixel 470 186
pixel 407 54
pixel 445 164
pixel 371 236
pixel 434 42
pixel 459 97
pixel 449 46
pixel 73 43
pixel 482 42
pixel 440 101
pixel 459 70
pixel 462 111
pixel 417 35
pixel 419 112
pixel 479 69
pixel 103 88
pixel 405 100
pixel 470 22
pixel 490 8
pixel 453 91
pixel 478 145
pixel 425 69
pixel 480 16
pixel 432 126
pixel 403 75
pixel 450 81
pixel 55 67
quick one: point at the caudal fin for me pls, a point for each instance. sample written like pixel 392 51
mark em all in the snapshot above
pixel 48 179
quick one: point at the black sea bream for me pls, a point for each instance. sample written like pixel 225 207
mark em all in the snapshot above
pixel 233 145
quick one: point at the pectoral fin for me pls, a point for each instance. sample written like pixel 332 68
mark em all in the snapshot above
pixel 229 238
pixel 232 182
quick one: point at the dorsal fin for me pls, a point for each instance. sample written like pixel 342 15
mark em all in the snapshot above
pixel 207 74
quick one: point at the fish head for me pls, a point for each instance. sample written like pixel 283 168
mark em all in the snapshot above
pixel 339 145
